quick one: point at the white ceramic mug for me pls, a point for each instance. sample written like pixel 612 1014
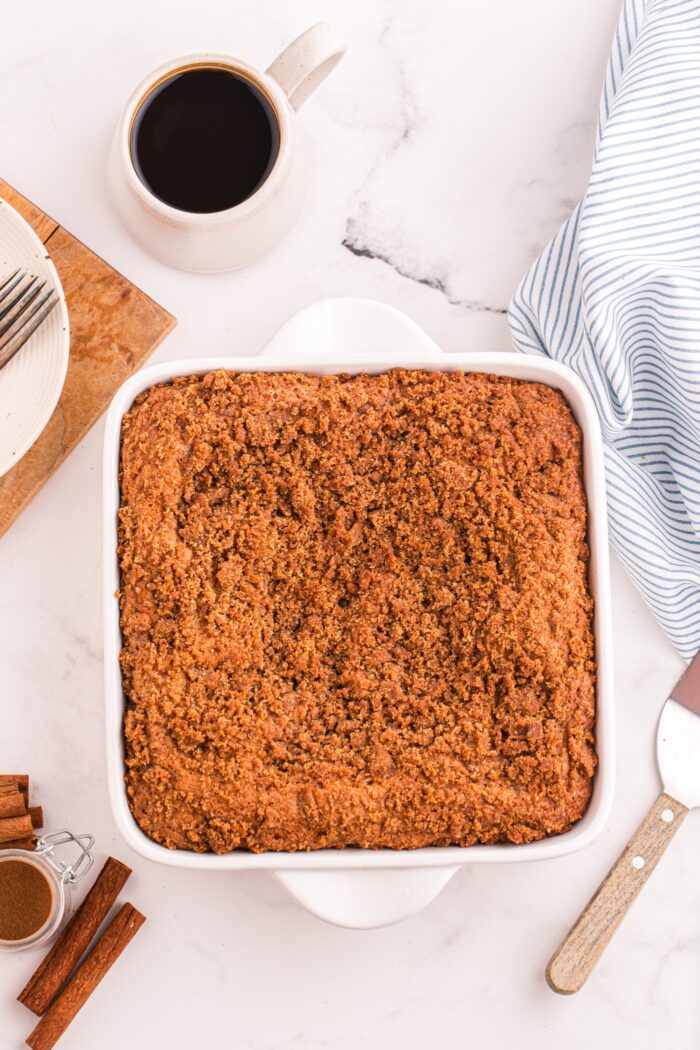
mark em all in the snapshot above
pixel 212 242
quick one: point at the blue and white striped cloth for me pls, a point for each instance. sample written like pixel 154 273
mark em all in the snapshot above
pixel 616 296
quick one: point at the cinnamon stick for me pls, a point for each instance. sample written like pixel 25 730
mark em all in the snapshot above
pixel 15 828
pixel 19 780
pixel 37 815
pixel 85 980
pixel 19 844
pixel 65 954
pixel 12 803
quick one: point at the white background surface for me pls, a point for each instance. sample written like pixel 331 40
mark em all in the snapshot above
pixel 450 143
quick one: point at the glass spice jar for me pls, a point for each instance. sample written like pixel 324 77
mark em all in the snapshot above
pixel 35 889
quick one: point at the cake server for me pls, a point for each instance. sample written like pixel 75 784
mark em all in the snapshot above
pixel 678 757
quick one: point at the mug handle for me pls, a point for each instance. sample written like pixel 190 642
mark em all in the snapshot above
pixel 307 61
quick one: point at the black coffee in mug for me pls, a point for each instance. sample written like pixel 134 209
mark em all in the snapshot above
pixel 205 140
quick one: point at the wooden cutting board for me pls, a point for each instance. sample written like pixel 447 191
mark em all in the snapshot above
pixel 114 327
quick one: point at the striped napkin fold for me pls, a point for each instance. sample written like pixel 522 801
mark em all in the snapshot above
pixel 616 296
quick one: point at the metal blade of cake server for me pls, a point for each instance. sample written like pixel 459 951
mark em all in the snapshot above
pixel 678 738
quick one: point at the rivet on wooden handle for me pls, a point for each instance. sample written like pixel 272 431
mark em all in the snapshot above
pixel 573 961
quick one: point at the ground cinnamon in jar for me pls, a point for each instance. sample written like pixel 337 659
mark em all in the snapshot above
pixel 25 900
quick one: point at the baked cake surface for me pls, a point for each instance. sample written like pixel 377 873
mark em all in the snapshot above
pixel 355 611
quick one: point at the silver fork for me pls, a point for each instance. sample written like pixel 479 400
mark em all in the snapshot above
pixel 24 304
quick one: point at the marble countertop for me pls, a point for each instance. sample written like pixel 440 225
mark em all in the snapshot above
pixel 446 149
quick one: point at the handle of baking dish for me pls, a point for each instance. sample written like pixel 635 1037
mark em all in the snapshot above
pixel 343 328
pixel 367 898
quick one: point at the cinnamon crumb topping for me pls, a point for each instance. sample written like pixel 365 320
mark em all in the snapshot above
pixel 355 611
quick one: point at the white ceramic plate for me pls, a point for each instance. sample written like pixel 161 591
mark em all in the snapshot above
pixel 366 888
pixel 31 384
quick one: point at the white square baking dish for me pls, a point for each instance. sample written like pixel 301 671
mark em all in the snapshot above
pixel 353 887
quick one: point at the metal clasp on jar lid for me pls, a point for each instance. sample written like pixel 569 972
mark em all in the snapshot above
pixel 78 869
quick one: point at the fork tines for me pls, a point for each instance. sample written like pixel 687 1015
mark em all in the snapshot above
pixel 24 304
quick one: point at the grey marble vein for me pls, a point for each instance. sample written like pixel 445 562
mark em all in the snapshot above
pixel 362 250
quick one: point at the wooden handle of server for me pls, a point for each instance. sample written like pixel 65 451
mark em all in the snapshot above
pixel 574 960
